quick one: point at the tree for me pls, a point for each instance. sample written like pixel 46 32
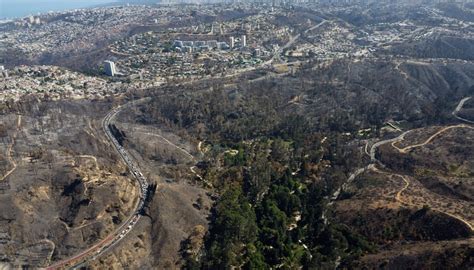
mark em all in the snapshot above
pixel 233 228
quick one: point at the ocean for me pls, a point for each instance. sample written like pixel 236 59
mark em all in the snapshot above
pixel 10 9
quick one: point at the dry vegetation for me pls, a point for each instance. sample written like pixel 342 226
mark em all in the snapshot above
pixel 66 190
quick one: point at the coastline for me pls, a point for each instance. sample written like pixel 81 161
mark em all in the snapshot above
pixel 12 13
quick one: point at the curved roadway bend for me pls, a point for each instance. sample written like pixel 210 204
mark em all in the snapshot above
pixel 398 196
pixel 127 226
pixel 393 141
pixel 459 107
pixel 431 138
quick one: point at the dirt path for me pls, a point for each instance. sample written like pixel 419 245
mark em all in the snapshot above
pixel 431 138
pixel 10 149
pixel 199 147
pixel 399 198
pixel 168 142
pixel 405 75
pixel 399 195
pixel 91 157
pixel 192 168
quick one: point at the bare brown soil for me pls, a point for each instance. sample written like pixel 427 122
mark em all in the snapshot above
pixel 69 189
pixel 423 196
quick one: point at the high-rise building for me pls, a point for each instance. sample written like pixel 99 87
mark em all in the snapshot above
pixel 243 40
pixel 109 68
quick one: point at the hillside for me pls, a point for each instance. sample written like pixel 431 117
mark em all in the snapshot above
pixel 438 47
pixel 285 135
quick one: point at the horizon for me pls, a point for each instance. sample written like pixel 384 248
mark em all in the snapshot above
pixel 15 9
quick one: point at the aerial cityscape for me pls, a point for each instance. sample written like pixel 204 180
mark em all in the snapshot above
pixel 297 134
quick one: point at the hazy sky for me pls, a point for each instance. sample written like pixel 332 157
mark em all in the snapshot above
pixel 20 8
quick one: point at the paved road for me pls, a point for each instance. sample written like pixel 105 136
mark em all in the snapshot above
pixel 104 245
pixel 374 147
pixel 291 42
pixel 459 107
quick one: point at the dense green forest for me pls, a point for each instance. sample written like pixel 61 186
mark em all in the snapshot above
pixel 269 216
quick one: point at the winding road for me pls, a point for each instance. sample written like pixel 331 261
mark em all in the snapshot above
pixel 459 107
pixel 431 138
pixel 106 244
pixel 372 166
pixel 398 196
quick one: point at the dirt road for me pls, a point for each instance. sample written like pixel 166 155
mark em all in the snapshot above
pixel 10 149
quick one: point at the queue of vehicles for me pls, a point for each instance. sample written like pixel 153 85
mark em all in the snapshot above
pixel 104 245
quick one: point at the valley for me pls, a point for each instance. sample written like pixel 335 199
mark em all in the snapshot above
pixel 252 135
